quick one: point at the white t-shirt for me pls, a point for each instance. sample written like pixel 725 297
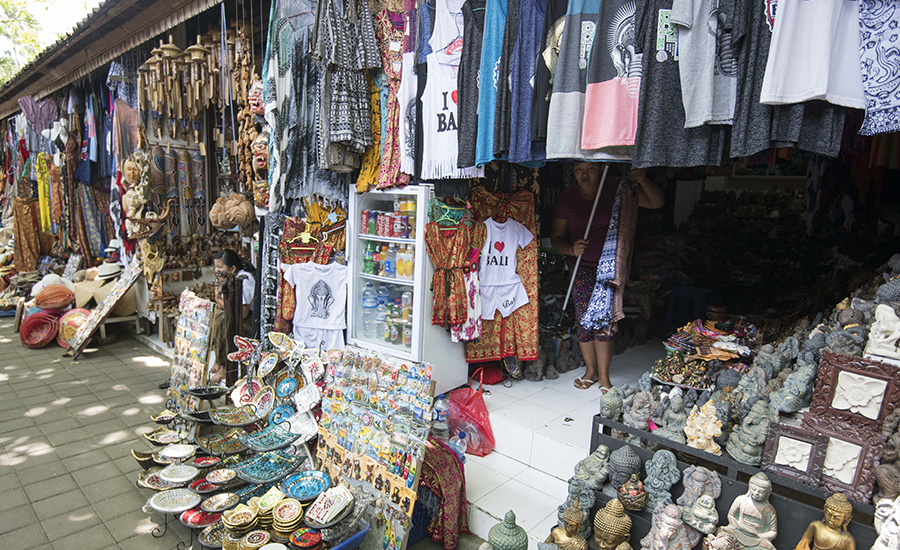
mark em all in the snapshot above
pixel 248 288
pixel 814 54
pixel 321 292
pixel 706 61
pixel 501 286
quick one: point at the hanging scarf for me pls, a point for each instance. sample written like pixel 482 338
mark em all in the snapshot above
pixel 600 311
pixel 43 173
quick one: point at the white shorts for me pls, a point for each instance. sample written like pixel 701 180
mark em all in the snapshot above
pixel 502 298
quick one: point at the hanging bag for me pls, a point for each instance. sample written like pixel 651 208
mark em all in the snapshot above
pixel 469 414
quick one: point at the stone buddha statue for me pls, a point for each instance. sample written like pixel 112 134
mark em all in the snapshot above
pixel 622 463
pixel 594 469
pixel 638 416
pixel 721 541
pixel 702 516
pixel 668 531
pixel 830 533
pixel 581 496
pixel 567 537
pixel 673 420
pixel 751 519
pixel 612 527
pixel 699 481
pixel 662 473
pixel 746 442
pixel 611 405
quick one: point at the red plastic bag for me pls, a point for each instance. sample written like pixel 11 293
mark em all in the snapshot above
pixel 469 414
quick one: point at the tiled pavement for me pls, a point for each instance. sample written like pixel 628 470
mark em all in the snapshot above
pixel 67 478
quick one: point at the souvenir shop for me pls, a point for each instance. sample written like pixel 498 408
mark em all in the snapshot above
pixel 329 221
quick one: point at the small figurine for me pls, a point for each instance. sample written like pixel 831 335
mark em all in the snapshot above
pixel 747 441
pixel 722 541
pixel 581 496
pixel 887 525
pixel 830 533
pixel 638 416
pixel 673 420
pixel 627 393
pixel 797 390
pixel 751 519
pixel 612 527
pixel 702 516
pixel 669 531
pixel 885 333
pixel 753 382
pixel 702 427
pixel 594 469
pixel 770 360
pixel 699 481
pixel 622 463
pixel 662 473
pixel 887 479
pixel 611 406
pixel 847 341
pixel 632 494
pixel 568 537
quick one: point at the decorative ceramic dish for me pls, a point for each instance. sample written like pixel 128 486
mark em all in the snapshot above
pixel 267 467
pixel 287 511
pixel 196 518
pixel 203 487
pixel 177 452
pixel 211 537
pixel 267 363
pixel 242 516
pixel 306 486
pixel 198 417
pixel 255 539
pixel 150 479
pixel 206 461
pixel 221 476
pixel 264 401
pixel 178 473
pixel 174 501
pixel 219 503
pixel 143 458
pixel 222 444
pixel 286 387
pixel 209 392
pixel 305 538
pixel 272 497
pixel 235 417
pixel 268 439
pixel 250 491
pixel 164 417
pixel 241 393
pixel 165 436
pixel 281 413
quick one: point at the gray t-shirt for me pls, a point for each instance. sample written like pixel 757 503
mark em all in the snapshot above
pixel 467 81
pixel 662 139
pixel 814 126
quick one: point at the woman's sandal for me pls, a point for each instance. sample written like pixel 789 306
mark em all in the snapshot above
pixel 583 384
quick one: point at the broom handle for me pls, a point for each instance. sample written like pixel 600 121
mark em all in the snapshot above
pixel 587 232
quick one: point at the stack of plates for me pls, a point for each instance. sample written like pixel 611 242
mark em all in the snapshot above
pixel 230 542
pixel 240 521
pixel 267 504
pixel 287 516
pixel 254 540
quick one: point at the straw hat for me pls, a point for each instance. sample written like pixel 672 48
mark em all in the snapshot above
pixel 108 270
pixel 50 279
pixel 91 274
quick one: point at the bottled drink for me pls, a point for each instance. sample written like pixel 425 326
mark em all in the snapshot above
pixel 380 320
pixel 398 206
pixel 368 263
pixel 440 418
pixel 458 444
pixel 410 261
pixel 406 305
pixel 390 265
pixel 369 304
pixel 401 262
pixel 382 260
pixel 376 260
pixel 407 332
pixel 383 293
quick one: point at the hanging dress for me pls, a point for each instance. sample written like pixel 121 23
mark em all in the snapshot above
pixel 449 251
pixel 389 32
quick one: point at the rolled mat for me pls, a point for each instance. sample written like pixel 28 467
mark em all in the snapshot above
pixel 39 329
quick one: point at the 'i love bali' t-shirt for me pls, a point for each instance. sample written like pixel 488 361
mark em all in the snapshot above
pixel 501 287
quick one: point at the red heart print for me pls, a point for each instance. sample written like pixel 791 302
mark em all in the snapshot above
pixel 499 246
pixel 455 96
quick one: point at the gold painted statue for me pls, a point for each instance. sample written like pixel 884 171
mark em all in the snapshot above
pixel 612 527
pixel 830 533
pixel 568 538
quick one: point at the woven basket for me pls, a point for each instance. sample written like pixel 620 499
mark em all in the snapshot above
pixel 84 292
pixel 54 297
pixel 39 329
pixel 127 304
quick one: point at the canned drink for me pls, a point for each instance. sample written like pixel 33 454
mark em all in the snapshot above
pixel 390 225
pixel 396 333
pixel 406 305
pixel 372 228
pixel 364 221
pixel 400 226
pixel 381 227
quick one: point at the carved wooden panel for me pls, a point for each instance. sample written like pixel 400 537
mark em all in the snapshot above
pixel 785 453
pixel 853 473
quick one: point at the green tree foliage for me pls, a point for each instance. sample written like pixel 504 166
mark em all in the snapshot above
pixel 19 42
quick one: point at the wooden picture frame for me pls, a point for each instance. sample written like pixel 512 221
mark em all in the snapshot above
pixel 773 460
pixel 859 481
pixel 841 392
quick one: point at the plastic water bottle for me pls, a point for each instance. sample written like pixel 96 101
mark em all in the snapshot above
pixel 369 304
pixel 384 294
pixel 440 419
pixel 458 444
pixel 390 266
pixel 380 320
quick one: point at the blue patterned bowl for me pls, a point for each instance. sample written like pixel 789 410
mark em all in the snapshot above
pixel 305 486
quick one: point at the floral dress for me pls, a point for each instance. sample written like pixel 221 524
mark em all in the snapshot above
pixel 449 250
pixel 389 30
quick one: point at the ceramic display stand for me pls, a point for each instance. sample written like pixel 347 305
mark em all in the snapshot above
pixel 794 515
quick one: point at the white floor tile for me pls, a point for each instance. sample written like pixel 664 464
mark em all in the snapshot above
pixel 480 522
pixel 518 389
pixel 525 414
pixel 542 530
pixel 555 457
pixel 576 431
pixel 547 484
pixel 555 400
pixel 499 463
pixel 497 400
pixel 586 411
pixel 590 394
pixel 530 505
pixel 481 480
pixel 511 440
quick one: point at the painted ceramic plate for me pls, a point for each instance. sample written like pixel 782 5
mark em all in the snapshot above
pixel 287 511
pixel 281 413
pixel 164 417
pixel 178 473
pixel 286 387
pixel 174 501
pixel 240 516
pixel 264 401
pixel 255 539
pixel 221 476
pixel 177 452
pixel 196 518
pixel 150 480
pixel 206 461
pixel 219 503
pixel 272 497
pixel 211 537
pixel 202 487
pixel 224 443
pixel 208 392
pixel 241 393
pixel 164 436
pixel 267 363
pixel 306 486
pixel 305 538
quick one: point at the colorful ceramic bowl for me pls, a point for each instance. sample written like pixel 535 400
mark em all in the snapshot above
pixel 211 537
pixel 306 486
pixel 178 473
pixel 174 501
pixel 220 502
pixel 221 476
pixel 196 518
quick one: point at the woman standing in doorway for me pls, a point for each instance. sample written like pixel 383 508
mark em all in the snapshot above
pixel 570 219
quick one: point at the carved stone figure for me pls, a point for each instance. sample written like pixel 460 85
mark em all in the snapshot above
pixel 728 378
pixel 722 541
pixel 847 341
pixel 747 442
pixel 628 394
pixel 594 469
pixel 699 481
pixel 632 494
pixel 611 406
pixel 702 427
pixel 638 415
pixel 770 360
pixel 567 537
pixel 612 527
pixel 583 497
pixel 890 453
pixel 644 384
pixel 796 392
pixel 669 532
pixel 790 348
pixel 662 473
pixel 751 519
pixel 673 420
pixel 887 524
pixel 702 516
pixel 622 463
pixel 830 533
pixel 888 292
pixel 776 383
pixel 884 333
pixel 753 381
pixel 887 481
pixel 814 343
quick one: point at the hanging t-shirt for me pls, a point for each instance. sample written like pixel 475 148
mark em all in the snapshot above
pixel 880 23
pixel 662 139
pixel 491 48
pixel 566 116
pixel 501 287
pixel 467 80
pixel 321 292
pixel 614 80
pixel 706 60
pixel 406 96
pixel 815 54
pixel 503 116
pixel 815 126
pixel 545 66
pixel 526 51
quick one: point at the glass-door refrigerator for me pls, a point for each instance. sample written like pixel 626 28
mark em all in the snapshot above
pixel 390 299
